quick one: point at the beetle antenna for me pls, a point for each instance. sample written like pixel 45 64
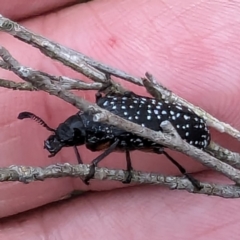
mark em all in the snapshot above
pixel 23 115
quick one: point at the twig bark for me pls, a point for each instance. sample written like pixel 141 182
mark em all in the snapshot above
pixel 17 86
pixel 27 174
pixel 223 154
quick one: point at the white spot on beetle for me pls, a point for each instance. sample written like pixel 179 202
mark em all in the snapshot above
pixel 186 117
pixel 148 117
pixel 105 103
pixel 178 107
pixel 164 112
pixel 156 111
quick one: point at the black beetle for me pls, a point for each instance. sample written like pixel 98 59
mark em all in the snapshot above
pixel 80 129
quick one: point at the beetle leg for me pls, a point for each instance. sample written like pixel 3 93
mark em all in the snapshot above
pixel 79 159
pixel 99 159
pixel 98 95
pixel 129 168
pixel 194 181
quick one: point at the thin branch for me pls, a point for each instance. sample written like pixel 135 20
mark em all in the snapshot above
pixel 4 65
pixel 65 82
pixel 17 86
pixel 70 83
pixel 27 174
pixel 75 84
pixel 168 137
pixel 223 154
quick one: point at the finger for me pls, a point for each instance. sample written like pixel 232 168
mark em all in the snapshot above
pixel 133 213
pixel 112 44
pixel 32 9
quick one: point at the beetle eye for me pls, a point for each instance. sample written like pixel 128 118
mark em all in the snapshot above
pixel 53 145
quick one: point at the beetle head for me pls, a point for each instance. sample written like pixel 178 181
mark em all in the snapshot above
pixel 53 145
pixel 69 133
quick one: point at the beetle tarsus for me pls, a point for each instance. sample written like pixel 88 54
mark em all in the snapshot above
pixel 194 181
pixel 90 174
pixel 129 168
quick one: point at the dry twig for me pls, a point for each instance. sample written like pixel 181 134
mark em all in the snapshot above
pixel 28 174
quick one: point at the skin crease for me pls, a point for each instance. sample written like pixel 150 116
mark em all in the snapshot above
pixel 192 47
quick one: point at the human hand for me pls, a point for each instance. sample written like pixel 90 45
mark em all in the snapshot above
pixel 191 48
